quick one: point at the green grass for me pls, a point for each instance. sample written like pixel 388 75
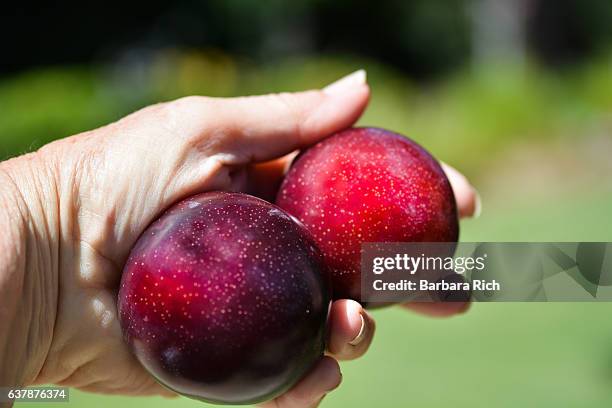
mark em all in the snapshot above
pixel 463 119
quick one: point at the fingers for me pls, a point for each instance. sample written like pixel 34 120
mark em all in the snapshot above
pixel 260 128
pixel 351 330
pixel 468 205
pixel 324 377
pixel 264 179
pixel 438 309
pixel 468 200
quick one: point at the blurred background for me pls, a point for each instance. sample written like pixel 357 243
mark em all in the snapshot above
pixel 515 93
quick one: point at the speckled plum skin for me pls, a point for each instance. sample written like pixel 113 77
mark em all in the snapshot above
pixel 367 185
pixel 225 299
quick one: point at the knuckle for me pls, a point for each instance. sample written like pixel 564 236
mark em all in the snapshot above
pixel 296 108
pixel 289 106
pixel 191 102
pixel 147 111
pixel 169 111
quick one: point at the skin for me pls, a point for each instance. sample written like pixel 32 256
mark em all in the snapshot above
pixel 71 212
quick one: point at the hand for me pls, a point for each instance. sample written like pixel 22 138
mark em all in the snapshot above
pixel 83 201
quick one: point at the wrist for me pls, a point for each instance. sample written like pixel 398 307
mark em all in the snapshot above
pixel 28 267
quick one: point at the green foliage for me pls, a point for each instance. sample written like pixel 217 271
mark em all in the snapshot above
pixel 38 107
pixel 461 119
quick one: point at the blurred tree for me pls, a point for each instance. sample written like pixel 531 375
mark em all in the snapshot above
pixel 566 31
pixel 424 38
pixel 499 30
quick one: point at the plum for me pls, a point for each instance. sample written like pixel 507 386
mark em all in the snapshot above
pixel 225 299
pixel 367 185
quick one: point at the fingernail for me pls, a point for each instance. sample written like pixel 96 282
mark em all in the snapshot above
pixel 477 205
pixel 346 83
pixel 361 335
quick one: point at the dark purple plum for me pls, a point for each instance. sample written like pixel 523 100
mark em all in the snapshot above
pixel 367 185
pixel 224 299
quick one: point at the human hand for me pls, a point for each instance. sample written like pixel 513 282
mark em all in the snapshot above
pixel 83 202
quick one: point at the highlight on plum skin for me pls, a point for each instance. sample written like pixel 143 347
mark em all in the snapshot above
pixel 224 299
pixel 367 185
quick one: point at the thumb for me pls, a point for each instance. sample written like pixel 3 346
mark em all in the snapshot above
pixel 260 128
